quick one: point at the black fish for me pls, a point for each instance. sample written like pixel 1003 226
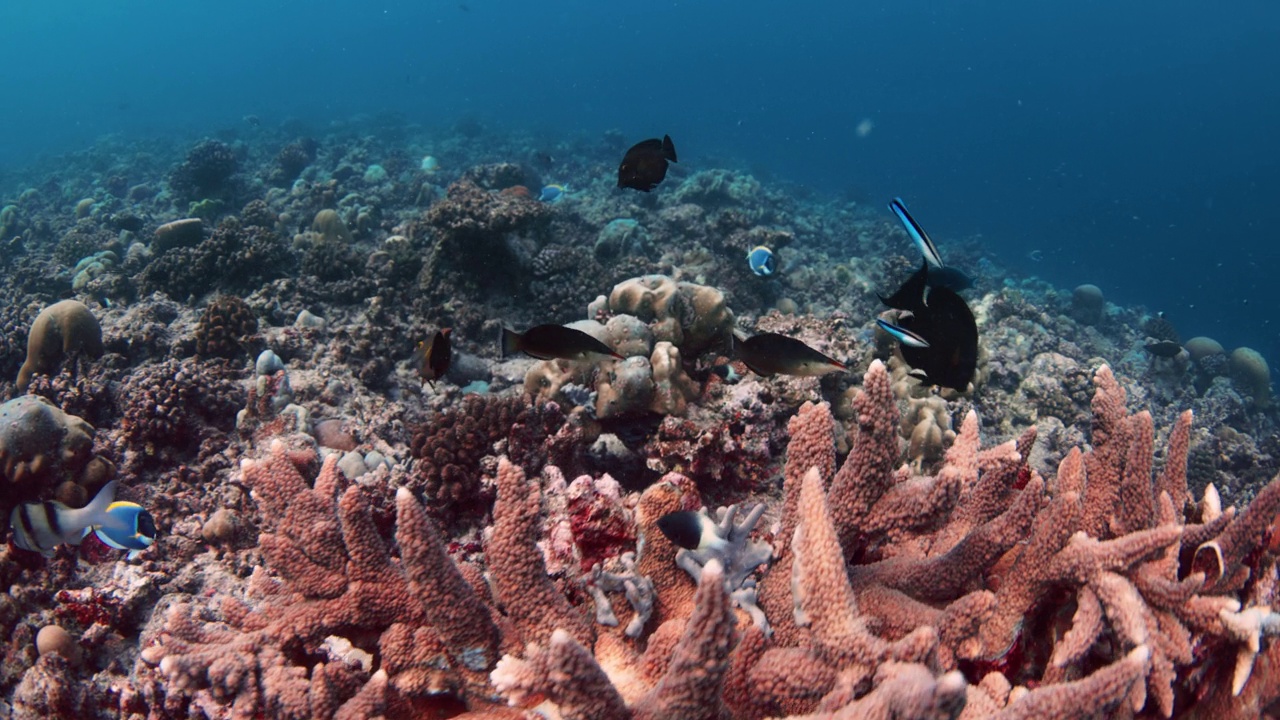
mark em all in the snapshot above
pixel 1163 348
pixel 770 354
pixel 645 164
pixel 910 296
pixel 691 530
pixel 942 320
pixel 949 277
pixel 546 342
pixel 432 358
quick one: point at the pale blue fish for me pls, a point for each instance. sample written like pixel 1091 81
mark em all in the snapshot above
pixel 132 528
pixel 762 261
pixel 553 193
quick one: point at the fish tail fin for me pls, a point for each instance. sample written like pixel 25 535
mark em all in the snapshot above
pixel 91 516
pixel 669 148
pixel 96 510
pixel 508 342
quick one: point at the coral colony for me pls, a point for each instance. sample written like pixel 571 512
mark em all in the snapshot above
pixel 393 425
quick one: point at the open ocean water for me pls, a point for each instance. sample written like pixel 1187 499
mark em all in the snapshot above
pixel 1130 145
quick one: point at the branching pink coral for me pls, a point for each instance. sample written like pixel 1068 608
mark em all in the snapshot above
pixel 1048 597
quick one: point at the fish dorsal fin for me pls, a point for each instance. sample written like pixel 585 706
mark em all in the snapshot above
pixel 669 148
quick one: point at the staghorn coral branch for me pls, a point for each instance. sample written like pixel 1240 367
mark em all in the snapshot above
pixel 1100 692
pixel 866 474
pixel 824 600
pixel 564 672
pixel 448 600
pixel 520 581
pixel 947 576
pixel 690 688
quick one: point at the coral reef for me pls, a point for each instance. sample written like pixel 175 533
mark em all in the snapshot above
pixel 205 172
pixel 336 538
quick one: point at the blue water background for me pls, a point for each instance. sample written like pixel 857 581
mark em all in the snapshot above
pixel 1134 145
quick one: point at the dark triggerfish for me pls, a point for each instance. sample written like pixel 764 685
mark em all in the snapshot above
pixel 432 357
pixel 547 342
pixel 645 164
pixel 772 354
pixel 937 330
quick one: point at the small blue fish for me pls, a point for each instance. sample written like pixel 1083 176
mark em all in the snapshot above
pixel 131 528
pixel 762 261
pixel 553 193
pixel 903 335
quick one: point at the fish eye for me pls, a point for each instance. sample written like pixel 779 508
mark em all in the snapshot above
pixel 146 524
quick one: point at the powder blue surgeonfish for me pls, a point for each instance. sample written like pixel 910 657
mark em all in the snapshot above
pixel 553 193
pixel 762 261
pixel 43 526
pixel 132 528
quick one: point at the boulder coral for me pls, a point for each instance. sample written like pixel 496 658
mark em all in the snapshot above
pixel 1251 374
pixel 329 226
pixel 693 317
pixel 1087 304
pixel 65 329
pixel 40 446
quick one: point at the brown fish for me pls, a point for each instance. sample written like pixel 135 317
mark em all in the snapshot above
pixel 645 164
pixel 1163 348
pixel 773 354
pixel 432 357
pixel 547 342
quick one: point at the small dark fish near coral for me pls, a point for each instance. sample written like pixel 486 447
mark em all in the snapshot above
pixel 42 526
pixel 432 356
pixel 547 342
pixel 940 274
pixel 772 354
pixel 645 164
pixel 690 530
pixel 937 330
pixel 1163 348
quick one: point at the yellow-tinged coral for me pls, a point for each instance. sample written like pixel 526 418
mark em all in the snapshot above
pixel 328 223
pixel 63 329
pixel 672 387
pixel 1251 374
pixel 693 317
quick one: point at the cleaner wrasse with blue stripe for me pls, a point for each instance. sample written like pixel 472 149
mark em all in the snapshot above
pixel 940 275
pixel 43 526
pixel 917 233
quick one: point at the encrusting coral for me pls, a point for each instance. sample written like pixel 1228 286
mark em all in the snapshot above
pixel 980 592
